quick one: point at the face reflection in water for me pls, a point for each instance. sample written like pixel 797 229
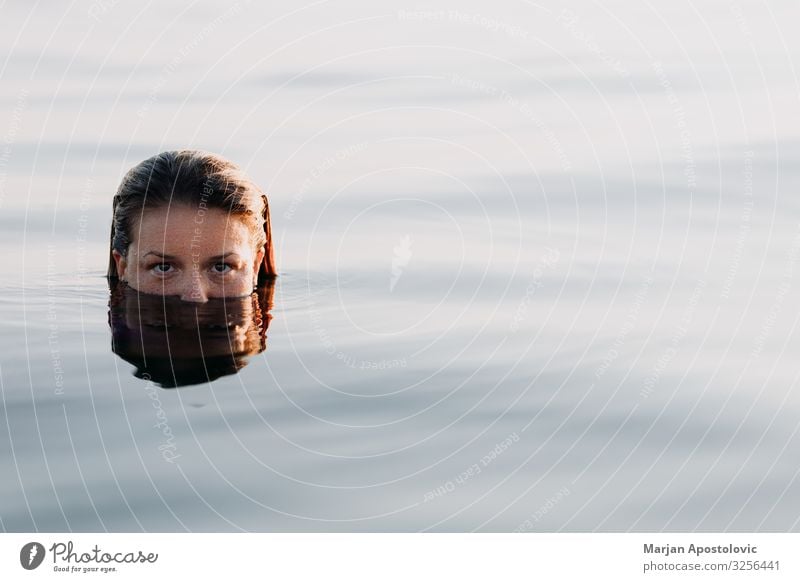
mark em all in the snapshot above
pixel 177 343
pixel 194 254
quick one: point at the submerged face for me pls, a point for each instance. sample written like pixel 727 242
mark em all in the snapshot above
pixel 195 255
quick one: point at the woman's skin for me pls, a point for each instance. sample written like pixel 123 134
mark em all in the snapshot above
pixel 196 254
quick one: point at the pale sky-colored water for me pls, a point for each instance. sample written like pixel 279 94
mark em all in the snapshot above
pixel 538 266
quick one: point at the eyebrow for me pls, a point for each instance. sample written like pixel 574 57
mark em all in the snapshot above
pixel 221 257
pixel 159 255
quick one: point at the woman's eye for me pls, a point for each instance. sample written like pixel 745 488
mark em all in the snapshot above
pixel 162 268
pixel 221 268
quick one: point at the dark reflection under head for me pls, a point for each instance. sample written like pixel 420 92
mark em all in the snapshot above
pixel 177 343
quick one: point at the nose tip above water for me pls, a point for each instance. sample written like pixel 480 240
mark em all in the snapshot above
pixel 194 299
pixel 194 294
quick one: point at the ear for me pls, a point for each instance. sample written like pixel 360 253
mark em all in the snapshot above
pixel 121 263
pixel 257 265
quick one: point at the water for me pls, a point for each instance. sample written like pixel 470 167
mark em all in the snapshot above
pixel 538 268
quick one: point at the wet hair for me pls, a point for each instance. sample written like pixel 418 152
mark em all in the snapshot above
pixel 195 178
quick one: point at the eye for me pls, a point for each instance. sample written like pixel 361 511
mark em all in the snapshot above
pixel 162 268
pixel 221 268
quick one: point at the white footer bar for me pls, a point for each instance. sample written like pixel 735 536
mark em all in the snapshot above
pixel 401 557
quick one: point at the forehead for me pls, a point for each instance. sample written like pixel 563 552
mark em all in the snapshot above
pixel 181 228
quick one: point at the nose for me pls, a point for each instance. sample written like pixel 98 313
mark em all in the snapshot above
pixel 195 292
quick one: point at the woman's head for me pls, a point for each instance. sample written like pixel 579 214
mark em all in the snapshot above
pixel 191 224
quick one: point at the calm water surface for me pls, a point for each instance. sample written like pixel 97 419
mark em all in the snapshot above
pixel 529 281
